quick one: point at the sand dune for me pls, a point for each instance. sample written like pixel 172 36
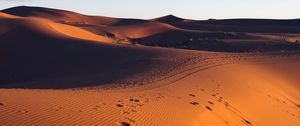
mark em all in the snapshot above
pixel 64 68
pixel 168 19
pixel 244 93
pixel 238 35
pixel 4 15
pixel 141 29
pixel 64 52
pixel 242 25
pixel 50 28
pixel 59 15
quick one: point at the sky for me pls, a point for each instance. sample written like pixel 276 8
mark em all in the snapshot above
pixel 191 9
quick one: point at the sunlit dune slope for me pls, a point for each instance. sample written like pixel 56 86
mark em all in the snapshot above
pixel 4 15
pixel 50 28
pixel 122 28
pixel 140 30
pixel 220 93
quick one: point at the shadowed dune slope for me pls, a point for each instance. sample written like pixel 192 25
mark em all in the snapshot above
pixel 168 19
pixel 242 25
pixel 34 50
pixel 218 41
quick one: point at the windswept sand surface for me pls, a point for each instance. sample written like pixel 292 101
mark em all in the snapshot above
pixel 64 68
pixel 242 91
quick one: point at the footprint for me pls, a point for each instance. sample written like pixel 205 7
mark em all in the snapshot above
pixel 226 104
pixel 210 102
pixel 207 107
pixel 124 123
pixel 194 103
pixel 119 105
pixel 298 105
pixel 214 95
pixel 192 95
pixel 247 122
pixel 97 107
pixel 226 122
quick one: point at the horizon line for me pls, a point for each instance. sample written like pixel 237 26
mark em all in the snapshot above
pixel 229 18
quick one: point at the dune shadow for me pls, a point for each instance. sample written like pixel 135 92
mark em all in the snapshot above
pixel 35 61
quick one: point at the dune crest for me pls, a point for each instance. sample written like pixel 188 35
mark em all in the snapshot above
pixel 64 68
pixel 4 15
pixel 78 33
pixel 141 30
pixel 168 19
pixel 59 15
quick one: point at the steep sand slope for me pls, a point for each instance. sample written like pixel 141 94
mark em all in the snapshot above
pixel 243 93
pixel 49 28
pixel 4 15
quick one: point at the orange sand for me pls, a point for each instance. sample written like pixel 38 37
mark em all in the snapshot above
pixel 61 68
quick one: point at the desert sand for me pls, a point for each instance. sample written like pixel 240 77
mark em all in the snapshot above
pixel 64 68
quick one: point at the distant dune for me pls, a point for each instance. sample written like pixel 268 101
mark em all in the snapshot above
pixel 140 30
pixel 4 15
pixel 64 68
pixel 168 19
pixel 242 25
pixel 58 15
pixel 232 35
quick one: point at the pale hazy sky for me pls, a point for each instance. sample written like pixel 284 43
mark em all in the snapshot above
pixel 194 9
